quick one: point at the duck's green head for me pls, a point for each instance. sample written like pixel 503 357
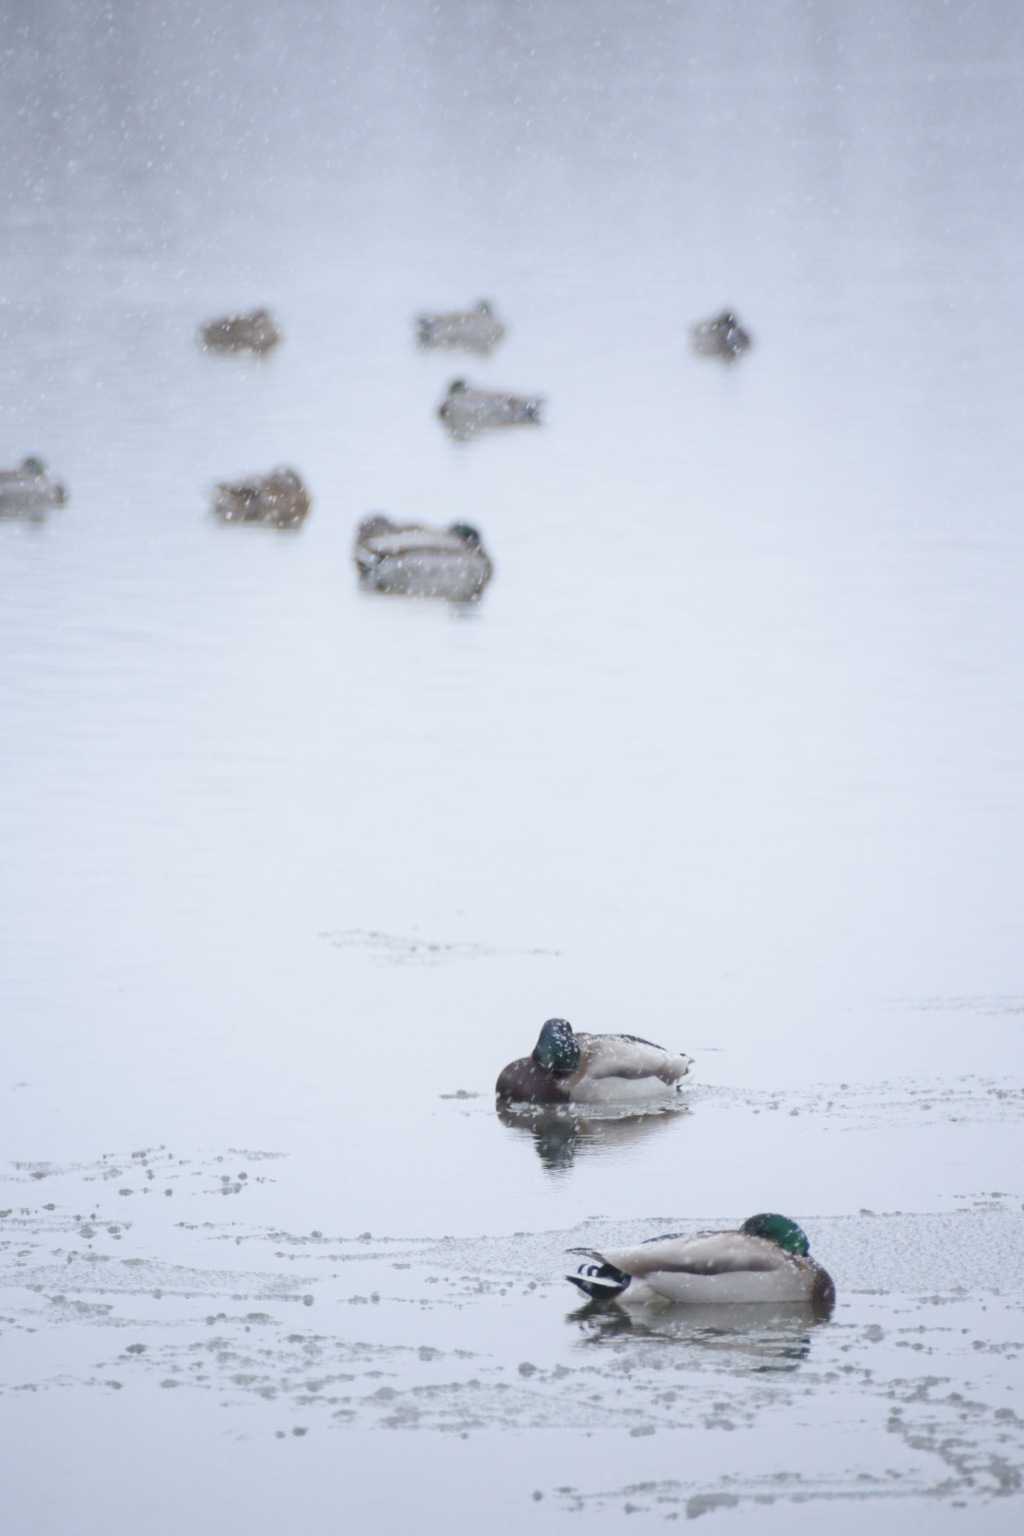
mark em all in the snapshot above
pixel 457 387
pixel 557 1049
pixel 779 1230
pixel 466 532
pixel 33 465
pixel 373 525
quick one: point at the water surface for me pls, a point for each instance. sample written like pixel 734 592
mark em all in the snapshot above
pixel 728 755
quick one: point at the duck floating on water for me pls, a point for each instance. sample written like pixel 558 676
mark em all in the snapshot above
pixel 767 1260
pixel 30 490
pixel 255 332
pixel 722 336
pixel 277 499
pixel 475 330
pixel 416 561
pixel 466 410
pixel 570 1068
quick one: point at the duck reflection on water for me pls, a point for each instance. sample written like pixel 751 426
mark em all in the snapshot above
pixel 560 1131
pixel 750 1336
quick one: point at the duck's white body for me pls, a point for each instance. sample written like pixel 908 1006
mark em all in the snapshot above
pixel 621 1069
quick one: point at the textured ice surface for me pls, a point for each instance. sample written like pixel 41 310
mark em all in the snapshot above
pixel 909 1390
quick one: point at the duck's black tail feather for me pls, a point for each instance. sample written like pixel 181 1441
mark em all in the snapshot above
pixel 599 1279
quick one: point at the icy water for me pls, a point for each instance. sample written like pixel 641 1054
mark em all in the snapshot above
pixel 728 755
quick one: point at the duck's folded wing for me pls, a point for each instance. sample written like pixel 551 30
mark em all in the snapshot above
pixel 713 1253
pixel 411 540
pixel 629 1056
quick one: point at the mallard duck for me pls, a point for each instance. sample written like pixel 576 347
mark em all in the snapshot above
pixel 279 499
pixel 721 336
pixel 465 409
pixel 566 1068
pixel 29 490
pixel 417 561
pixel 254 332
pixel 767 1260
pixel 477 329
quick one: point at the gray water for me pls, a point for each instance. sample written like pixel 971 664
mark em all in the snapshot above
pixel 728 755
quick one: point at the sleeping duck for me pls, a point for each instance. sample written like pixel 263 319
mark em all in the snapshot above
pixel 477 329
pixel 254 332
pixel 721 336
pixel 465 409
pixel 277 499
pixel 566 1068
pixel 417 561
pixel 767 1260
pixel 29 490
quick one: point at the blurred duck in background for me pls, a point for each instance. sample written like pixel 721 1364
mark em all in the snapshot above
pixel 413 560
pixel 277 499
pixel 466 410
pixel 722 336
pixel 30 490
pixel 475 330
pixel 255 332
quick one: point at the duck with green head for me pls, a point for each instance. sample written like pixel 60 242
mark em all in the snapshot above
pixel 569 1068
pixel 767 1260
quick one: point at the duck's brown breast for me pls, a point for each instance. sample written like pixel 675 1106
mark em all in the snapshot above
pixel 524 1082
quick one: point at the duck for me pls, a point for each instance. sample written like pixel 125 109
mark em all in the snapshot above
pixel 416 561
pixel 466 409
pixel 477 329
pixel 722 336
pixel 277 499
pixel 255 332
pixel 30 489
pixel 570 1068
pixel 766 1260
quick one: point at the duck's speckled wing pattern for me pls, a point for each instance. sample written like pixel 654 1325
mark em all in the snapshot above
pixel 628 1056
pixel 709 1253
